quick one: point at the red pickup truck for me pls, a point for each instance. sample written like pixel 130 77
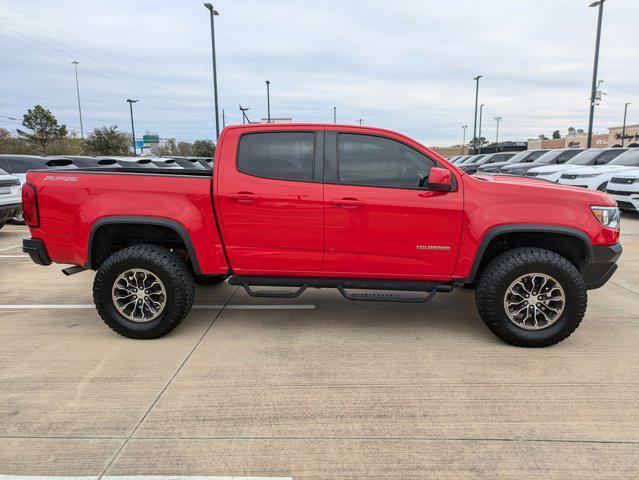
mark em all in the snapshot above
pixel 311 205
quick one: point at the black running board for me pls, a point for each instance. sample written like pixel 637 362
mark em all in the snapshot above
pixel 342 284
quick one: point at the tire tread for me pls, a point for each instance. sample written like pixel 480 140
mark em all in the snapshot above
pixel 184 291
pixel 489 299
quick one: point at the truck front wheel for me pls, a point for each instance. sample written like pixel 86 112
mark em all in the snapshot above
pixel 531 297
pixel 143 291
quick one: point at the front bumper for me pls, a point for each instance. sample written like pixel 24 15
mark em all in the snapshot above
pixel 35 249
pixel 626 201
pixel 601 265
pixel 7 212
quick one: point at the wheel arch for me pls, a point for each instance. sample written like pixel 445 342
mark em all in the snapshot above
pixel 571 243
pixel 95 251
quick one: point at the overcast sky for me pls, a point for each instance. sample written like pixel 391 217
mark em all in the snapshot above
pixel 404 65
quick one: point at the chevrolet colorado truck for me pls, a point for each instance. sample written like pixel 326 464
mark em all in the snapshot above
pixel 367 211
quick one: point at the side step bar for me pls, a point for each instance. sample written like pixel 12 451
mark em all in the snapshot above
pixel 342 284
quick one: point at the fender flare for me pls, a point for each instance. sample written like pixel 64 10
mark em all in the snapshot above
pixel 494 232
pixel 174 225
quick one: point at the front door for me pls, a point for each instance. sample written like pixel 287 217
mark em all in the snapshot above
pixel 270 201
pixel 381 222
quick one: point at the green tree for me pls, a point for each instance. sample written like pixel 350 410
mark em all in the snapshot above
pixel 160 150
pixel 556 135
pixel 542 137
pixel 44 129
pixel 203 148
pixel 108 141
pixel 185 149
pixel 481 142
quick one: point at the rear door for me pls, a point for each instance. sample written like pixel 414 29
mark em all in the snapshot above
pixel 380 221
pixel 269 199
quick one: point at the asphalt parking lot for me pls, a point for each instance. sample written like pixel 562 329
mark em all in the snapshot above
pixel 312 387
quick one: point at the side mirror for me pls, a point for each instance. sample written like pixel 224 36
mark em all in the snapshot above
pixel 440 180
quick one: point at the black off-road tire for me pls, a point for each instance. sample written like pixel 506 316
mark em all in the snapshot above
pixel 174 274
pixel 504 269
pixel 209 279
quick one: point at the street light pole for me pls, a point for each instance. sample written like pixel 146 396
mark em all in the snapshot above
pixel 464 127
pixel 475 122
pixel 268 101
pixel 623 131
pixel 334 114
pixel 77 88
pixel 214 13
pixel 481 114
pixel 131 102
pixel 593 89
pixel 223 119
pixel 497 119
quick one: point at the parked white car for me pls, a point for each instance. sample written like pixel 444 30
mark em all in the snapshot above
pixel 624 188
pixel 591 156
pixel 598 176
pixel 10 197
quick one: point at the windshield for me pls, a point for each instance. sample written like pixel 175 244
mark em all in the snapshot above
pixel 474 158
pixel 584 158
pixel 629 159
pixel 548 157
pixel 496 157
pixel 526 156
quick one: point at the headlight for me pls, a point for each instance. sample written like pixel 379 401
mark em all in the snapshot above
pixel 607 216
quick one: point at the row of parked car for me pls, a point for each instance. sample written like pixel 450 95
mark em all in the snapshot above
pixel 613 170
pixel 13 172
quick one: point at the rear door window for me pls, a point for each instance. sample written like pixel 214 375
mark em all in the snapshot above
pixel 278 155
pixel 563 157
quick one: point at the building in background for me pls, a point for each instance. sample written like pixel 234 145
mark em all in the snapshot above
pixel 602 140
pixel 631 137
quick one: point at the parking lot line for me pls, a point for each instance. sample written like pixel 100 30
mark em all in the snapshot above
pixel 15 256
pixel 136 477
pixel 9 248
pixel 199 307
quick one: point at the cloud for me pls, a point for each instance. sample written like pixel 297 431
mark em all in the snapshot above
pixel 404 65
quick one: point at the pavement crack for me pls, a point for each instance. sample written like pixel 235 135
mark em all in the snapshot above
pixel 157 398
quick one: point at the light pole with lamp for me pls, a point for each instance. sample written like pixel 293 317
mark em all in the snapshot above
pixel 593 89
pixel 214 13
pixel 497 119
pixel 131 102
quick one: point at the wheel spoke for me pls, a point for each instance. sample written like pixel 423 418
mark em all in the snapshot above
pixel 139 295
pixel 534 301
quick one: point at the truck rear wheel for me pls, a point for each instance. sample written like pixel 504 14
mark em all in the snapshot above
pixel 143 291
pixel 531 297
